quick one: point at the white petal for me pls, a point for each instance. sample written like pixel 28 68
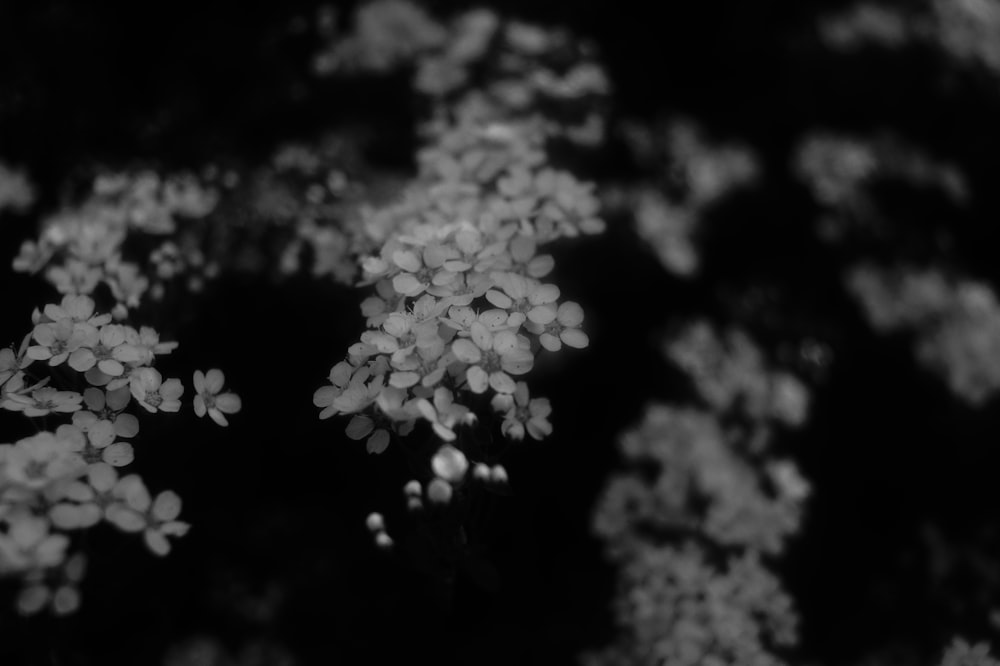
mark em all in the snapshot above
pixel 218 417
pixel 481 336
pixel 574 337
pixel 378 442
pixel 499 299
pixel 214 379
pixel 228 403
pixel 542 315
pixel 403 380
pixel 118 454
pixel 477 378
pixel 466 351
pixel 359 427
pixel 501 382
pixel 406 260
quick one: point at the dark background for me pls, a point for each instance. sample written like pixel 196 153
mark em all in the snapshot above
pixel 900 547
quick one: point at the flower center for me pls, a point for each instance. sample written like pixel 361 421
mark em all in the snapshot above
pixel 490 362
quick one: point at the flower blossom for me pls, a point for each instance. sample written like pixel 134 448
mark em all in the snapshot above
pixel 523 414
pixel 209 399
pixel 152 393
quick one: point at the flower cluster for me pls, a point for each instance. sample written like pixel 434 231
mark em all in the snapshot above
pixel 955 322
pixel 965 30
pixel 462 306
pixel 83 246
pixel 840 172
pixel 699 174
pixel 61 481
pixel 481 60
pixel 681 610
pixel 385 34
pixel 701 485
pixel 730 373
pixel 962 653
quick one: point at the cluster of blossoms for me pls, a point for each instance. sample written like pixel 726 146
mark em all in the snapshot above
pixel 668 212
pixel 210 651
pixel 485 61
pixel 86 245
pixel 730 374
pixel 312 190
pixel 955 323
pixel 16 192
pixel 702 487
pixel 962 653
pixel 58 482
pixel 964 30
pixel 840 172
pixel 461 306
pixel 684 611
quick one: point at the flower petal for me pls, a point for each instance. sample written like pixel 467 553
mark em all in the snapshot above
pixel 359 427
pixel 118 454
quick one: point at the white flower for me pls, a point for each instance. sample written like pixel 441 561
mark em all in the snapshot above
pixel 153 394
pixel 492 358
pixel 563 328
pixel 522 414
pixel 210 400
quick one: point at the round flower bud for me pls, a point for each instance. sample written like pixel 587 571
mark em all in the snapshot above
pixel 383 541
pixel 498 474
pixel 439 491
pixel 412 488
pixel 414 503
pixel 481 472
pixel 375 522
pixel 449 464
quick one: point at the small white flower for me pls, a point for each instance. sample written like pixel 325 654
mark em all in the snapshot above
pixel 210 400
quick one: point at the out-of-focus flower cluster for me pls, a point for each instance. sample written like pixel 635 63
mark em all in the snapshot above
pixel 955 323
pixel 208 651
pixel 840 171
pixel 86 245
pixel 479 60
pixel 462 307
pixel 701 500
pixel 963 653
pixel 682 610
pixel 731 376
pixel 384 35
pixel 16 192
pixel 968 31
pixel 692 174
pixel 304 207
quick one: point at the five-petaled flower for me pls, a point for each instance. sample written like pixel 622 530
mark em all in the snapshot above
pixel 153 393
pixel 523 414
pixel 209 399
pixel 492 358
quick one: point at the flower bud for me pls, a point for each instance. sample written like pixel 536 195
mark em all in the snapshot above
pixel 449 464
pixel 383 541
pixel 375 522
pixel 498 474
pixel 439 491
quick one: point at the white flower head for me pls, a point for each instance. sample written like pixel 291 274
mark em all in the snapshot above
pixel 209 398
